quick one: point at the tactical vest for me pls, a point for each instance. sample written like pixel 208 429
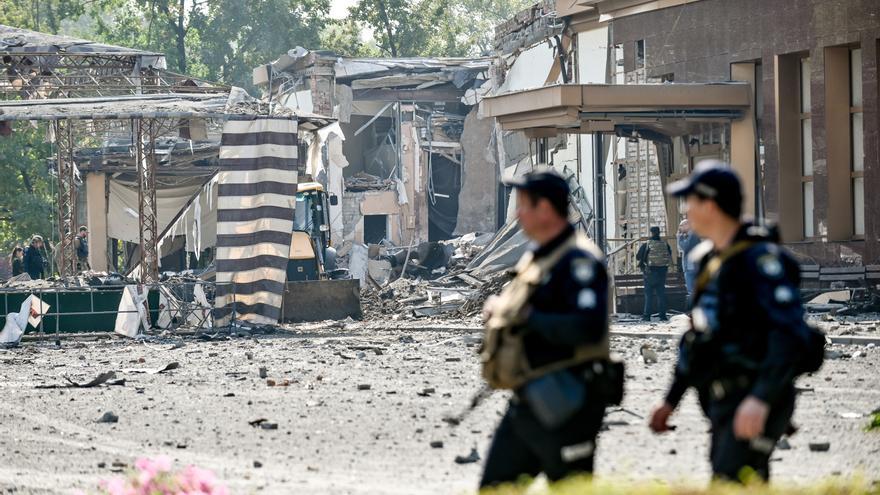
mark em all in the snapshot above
pixel 658 253
pixel 503 356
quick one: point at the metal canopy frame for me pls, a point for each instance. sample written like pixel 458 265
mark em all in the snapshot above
pixel 41 68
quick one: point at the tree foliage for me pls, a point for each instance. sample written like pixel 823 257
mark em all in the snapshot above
pixel 448 28
pixel 26 187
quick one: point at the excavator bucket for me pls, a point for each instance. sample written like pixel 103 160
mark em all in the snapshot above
pixel 318 300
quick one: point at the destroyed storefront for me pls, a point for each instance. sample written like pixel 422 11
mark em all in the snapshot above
pixel 409 160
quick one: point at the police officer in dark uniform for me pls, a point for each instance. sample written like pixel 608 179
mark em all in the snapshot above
pixel 749 339
pixel 547 340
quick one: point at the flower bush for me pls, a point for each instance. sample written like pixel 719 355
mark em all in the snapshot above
pixel 156 477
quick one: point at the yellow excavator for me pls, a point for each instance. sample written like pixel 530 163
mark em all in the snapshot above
pixel 316 289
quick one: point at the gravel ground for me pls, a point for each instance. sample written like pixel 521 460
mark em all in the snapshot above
pixel 361 407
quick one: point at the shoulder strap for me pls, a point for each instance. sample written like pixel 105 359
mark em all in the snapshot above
pixel 713 266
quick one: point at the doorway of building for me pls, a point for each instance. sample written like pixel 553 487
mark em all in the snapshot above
pixel 443 191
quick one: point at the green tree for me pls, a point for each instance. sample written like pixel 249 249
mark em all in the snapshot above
pixel 236 36
pixel 344 37
pixel 26 188
pixel 41 15
pixel 406 28
pixel 443 28
pixel 477 19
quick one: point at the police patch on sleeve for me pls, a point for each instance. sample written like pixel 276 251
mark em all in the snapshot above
pixel 770 266
pixel 783 294
pixel 582 270
pixel 586 299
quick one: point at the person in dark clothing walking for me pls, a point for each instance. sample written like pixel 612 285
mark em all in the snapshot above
pixel 547 339
pixel 81 245
pixel 749 339
pixel 17 261
pixel 34 261
pixel 654 258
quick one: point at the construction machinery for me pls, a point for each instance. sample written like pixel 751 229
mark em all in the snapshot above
pixel 316 289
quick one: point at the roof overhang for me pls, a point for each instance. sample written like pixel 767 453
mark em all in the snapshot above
pixel 669 109
pixel 149 106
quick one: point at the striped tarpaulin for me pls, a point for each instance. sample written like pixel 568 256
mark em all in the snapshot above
pixel 256 195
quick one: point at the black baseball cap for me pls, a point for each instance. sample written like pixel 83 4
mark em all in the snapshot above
pixel 545 183
pixel 715 180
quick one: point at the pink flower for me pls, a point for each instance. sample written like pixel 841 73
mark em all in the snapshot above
pixel 155 477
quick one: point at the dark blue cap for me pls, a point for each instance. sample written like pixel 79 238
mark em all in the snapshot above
pixel 715 180
pixel 544 182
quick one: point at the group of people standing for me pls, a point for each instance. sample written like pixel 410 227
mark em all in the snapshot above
pixel 547 335
pixel 34 259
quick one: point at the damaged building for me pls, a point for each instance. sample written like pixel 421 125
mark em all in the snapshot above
pixel 627 96
pixel 408 158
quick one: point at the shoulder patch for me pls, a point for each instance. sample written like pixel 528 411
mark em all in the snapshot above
pixel 582 270
pixel 770 265
pixel 586 299
pixel 783 294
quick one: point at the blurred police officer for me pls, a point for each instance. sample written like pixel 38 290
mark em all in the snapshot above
pixel 749 339
pixel 547 341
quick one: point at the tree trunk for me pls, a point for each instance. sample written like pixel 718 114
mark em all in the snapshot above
pixel 180 30
pixel 392 46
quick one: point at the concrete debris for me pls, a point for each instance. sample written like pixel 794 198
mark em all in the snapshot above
pixel 363 181
pixel 156 371
pixel 263 372
pixel 84 279
pixel 436 444
pixel 783 444
pixel 649 356
pixel 820 446
pixel 433 279
pixel 97 381
pixel 474 456
pixel 108 417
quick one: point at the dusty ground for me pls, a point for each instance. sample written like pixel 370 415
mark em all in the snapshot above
pixel 334 438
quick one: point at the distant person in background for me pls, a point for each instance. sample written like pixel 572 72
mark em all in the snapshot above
pixel 81 244
pixel 16 259
pixel 34 261
pixel 687 241
pixel 654 258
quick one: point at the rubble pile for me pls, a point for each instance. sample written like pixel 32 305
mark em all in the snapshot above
pixel 436 280
pixel 23 282
pixel 363 181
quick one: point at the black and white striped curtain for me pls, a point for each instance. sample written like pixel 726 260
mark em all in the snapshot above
pixel 256 196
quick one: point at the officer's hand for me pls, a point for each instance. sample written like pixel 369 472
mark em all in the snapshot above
pixel 489 307
pixel 660 418
pixel 751 415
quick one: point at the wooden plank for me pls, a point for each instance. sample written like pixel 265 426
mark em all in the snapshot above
pixel 810 268
pixel 872 268
pixel 810 275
